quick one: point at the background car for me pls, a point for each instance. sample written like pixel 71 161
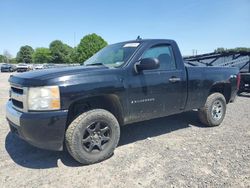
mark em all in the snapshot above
pixel 38 66
pixel 22 67
pixel 49 66
pixel 8 68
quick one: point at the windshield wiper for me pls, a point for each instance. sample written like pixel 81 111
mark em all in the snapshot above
pixel 95 64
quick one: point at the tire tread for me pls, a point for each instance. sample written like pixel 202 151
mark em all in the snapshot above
pixel 69 136
pixel 204 112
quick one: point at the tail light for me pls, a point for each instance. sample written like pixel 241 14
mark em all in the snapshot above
pixel 238 81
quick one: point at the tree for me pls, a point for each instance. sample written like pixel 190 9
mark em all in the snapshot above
pixel 241 49
pixel 42 55
pixel 220 50
pixel 89 45
pixel 1 58
pixel 60 52
pixel 232 50
pixel 7 56
pixel 74 56
pixel 25 54
pixel 13 61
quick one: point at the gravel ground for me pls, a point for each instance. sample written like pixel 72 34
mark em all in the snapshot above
pixel 175 151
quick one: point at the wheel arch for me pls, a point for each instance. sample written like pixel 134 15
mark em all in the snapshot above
pixel 109 102
pixel 223 88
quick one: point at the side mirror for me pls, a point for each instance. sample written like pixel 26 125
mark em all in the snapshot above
pixel 147 64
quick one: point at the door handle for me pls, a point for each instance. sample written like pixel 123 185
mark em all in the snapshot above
pixel 174 79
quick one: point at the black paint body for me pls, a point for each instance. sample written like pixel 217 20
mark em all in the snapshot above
pixel 140 96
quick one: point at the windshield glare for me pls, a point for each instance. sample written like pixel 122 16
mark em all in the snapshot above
pixel 113 55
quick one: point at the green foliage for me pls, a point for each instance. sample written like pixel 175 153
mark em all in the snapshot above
pixel 7 56
pixel 89 45
pixel 1 58
pixel 60 52
pixel 42 55
pixel 220 50
pixel 239 49
pixel 74 56
pixel 25 54
pixel 8 59
pixel 13 61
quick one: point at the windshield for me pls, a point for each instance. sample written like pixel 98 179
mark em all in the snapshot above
pixel 113 55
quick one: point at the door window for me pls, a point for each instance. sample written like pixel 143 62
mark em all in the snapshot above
pixel 164 54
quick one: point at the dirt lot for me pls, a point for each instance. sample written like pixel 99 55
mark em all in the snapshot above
pixel 175 151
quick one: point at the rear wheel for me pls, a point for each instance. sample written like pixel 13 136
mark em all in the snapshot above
pixel 214 110
pixel 93 136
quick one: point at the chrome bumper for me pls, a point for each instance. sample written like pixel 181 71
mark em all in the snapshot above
pixel 12 114
pixel 44 130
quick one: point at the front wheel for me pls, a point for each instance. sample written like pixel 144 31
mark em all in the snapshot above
pixel 214 110
pixel 92 136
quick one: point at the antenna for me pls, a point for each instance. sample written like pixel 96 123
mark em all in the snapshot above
pixel 139 38
pixel 74 39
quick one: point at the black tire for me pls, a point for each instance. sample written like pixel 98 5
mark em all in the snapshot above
pixel 214 110
pixel 83 133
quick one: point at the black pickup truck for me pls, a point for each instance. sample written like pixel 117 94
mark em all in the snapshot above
pixel 123 83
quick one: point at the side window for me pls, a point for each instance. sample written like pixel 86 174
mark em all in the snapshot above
pixel 164 54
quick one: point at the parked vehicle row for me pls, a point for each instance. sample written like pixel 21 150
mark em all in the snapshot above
pixel 23 67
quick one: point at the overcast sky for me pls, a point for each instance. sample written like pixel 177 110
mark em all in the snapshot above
pixel 195 24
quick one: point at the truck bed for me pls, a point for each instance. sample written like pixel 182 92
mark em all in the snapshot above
pixel 202 78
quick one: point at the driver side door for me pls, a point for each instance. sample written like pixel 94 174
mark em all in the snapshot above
pixel 151 92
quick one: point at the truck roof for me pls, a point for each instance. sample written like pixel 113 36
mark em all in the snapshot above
pixel 151 40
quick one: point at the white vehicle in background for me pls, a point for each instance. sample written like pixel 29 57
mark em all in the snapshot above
pixel 22 67
pixel 38 67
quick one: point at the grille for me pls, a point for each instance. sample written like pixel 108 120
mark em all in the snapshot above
pixel 18 97
pixel 17 90
pixel 17 103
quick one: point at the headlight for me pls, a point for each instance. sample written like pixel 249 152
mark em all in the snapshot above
pixel 44 98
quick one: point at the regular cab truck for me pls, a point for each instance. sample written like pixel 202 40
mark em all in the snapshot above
pixel 123 83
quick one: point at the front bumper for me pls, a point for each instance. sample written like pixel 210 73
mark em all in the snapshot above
pixel 5 70
pixel 42 129
pixel 22 69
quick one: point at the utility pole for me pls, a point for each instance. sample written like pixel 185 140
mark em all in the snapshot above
pixel 74 39
pixel 194 52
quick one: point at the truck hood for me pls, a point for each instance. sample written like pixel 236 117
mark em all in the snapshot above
pixel 41 77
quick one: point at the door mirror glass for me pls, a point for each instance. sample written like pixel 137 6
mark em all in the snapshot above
pixel 147 64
